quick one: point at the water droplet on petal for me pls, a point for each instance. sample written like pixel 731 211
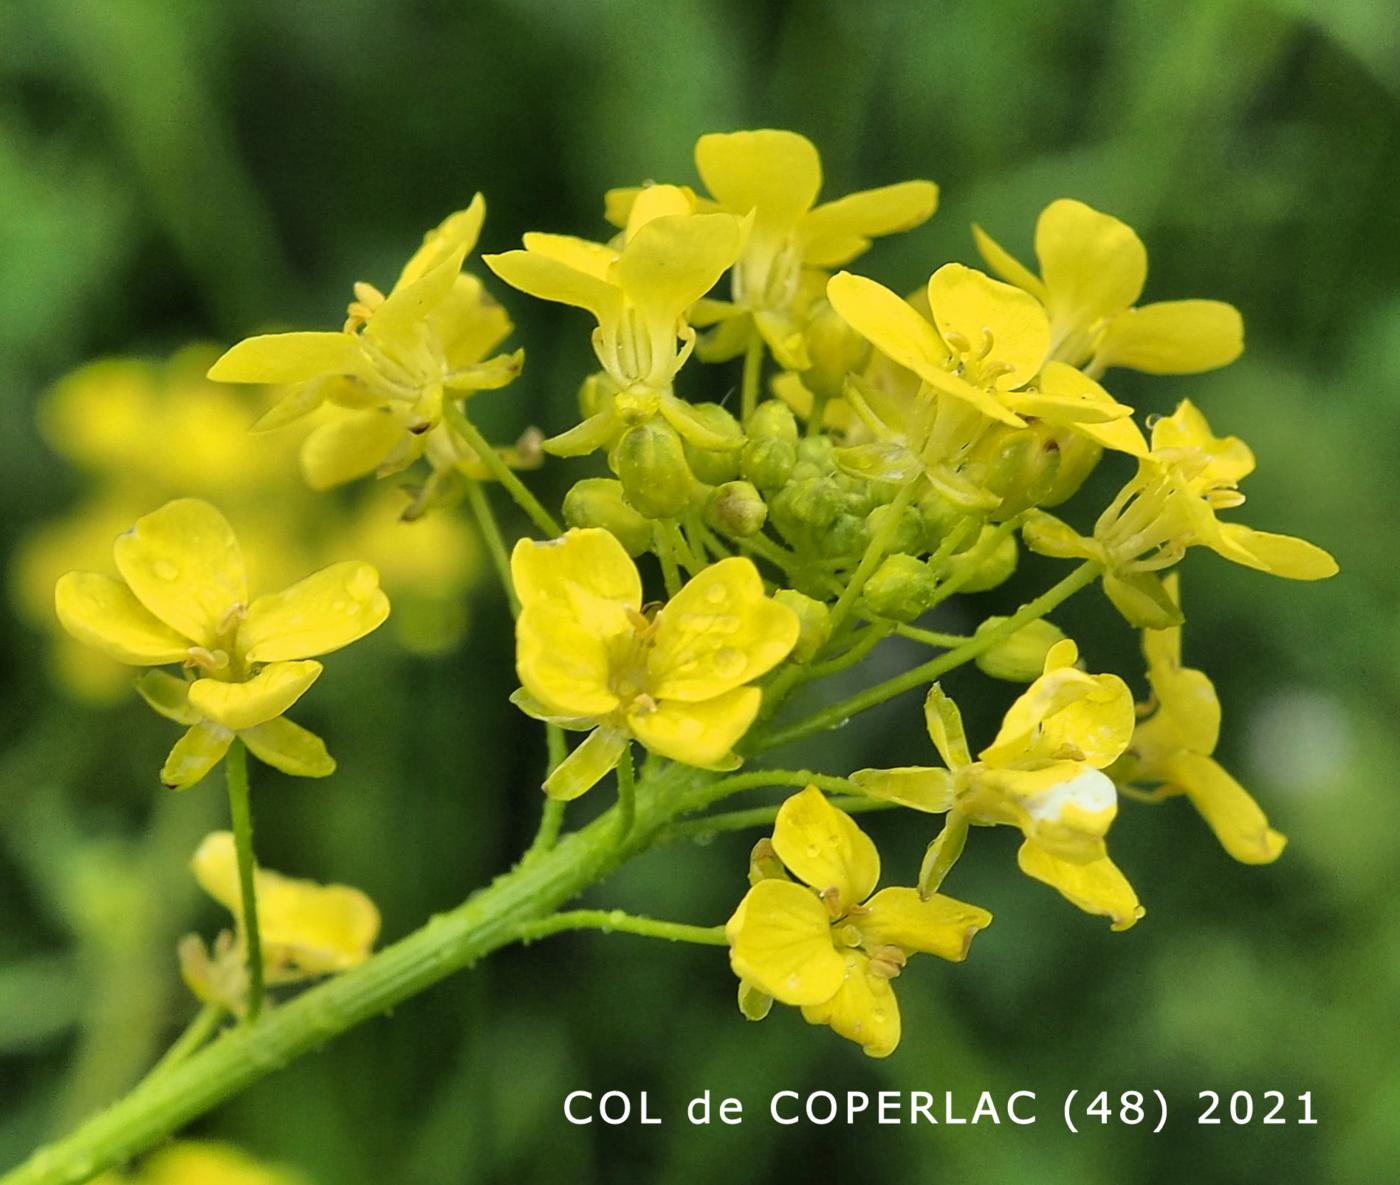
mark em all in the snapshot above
pixel 716 594
pixel 165 570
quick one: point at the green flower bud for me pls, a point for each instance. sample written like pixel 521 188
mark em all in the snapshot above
pixel 598 502
pixel 834 348
pixel 817 503
pixel 764 864
pixel 650 462
pixel 1019 465
pixel 817 450
pixel 901 588
pixel 772 420
pixel 1019 658
pixel 939 517
pixel 908 534
pixel 1079 456
pixel 767 463
pixel 714 466
pixel 995 569
pixel 736 508
pixel 844 537
pixel 814 620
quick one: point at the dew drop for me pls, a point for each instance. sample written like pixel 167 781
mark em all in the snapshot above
pixel 728 661
pixel 716 594
pixel 165 570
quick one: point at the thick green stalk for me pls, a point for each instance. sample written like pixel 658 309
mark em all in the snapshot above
pixel 450 941
pixel 839 713
pixel 236 767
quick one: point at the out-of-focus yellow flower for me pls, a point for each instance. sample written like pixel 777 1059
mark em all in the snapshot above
pixel 639 296
pixel 307 929
pixel 1171 505
pixel 1092 271
pixel 772 179
pixel 678 681
pixel 388 370
pixel 1041 774
pixel 198 1162
pixel 822 942
pixel 183 598
pixel 1172 747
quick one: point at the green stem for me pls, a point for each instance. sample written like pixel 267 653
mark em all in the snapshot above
pixel 869 639
pixel 243 1054
pixel 760 816
pixel 626 793
pixel 759 778
pixel 665 552
pixel 678 545
pixel 980 553
pixel 552 817
pixel 204 1025
pixel 753 373
pixel 930 637
pixel 874 553
pixel 614 921
pixel 495 544
pixel 236 766
pixel 839 713
pixel 457 419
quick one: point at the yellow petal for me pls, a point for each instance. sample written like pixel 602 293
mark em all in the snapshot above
pixel 836 232
pixel 888 322
pixel 184 564
pixel 1187 699
pixel 657 201
pixel 1097 888
pixel 587 764
pixel 562 663
pixel 776 173
pixel 1092 265
pixel 941 926
pixel 275 358
pixel 863 1010
pixel 329 609
pixel 780 941
pixel 1173 337
pixel 1066 715
pixel 1279 555
pixel 1230 459
pixel 919 788
pixel 1067 396
pixel 1228 808
pixel 822 845
pixel 195 754
pixel 1005 266
pixel 588 558
pixel 945 728
pixel 168 695
pixel 1123 436
pixel 701 734
pixel 583 255
pixel 351 446
pixel 718 632
pixel 102 612
pixel 317 928
pixel 673 261
pixel 1009 324
pixel 545 278
pixel 289 747
pixel 456 233
pixel 265 696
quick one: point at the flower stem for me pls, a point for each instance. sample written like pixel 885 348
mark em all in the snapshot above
pixel 626 793
pixel 236 766
pixel 457 420
pixel 760 816
pixel 666 553
pixel 753 373
pixel 615 921
pixel 874 553
pixel 204 1025
pixel 495 544
pixel 838 713
pixel 552 816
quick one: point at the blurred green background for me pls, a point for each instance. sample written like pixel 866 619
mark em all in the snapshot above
pixel 173 172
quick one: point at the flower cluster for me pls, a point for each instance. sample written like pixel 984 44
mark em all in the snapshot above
pixel 717 557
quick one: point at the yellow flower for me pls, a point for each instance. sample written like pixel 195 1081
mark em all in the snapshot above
pixel 678 682
pixel 307 929
pixel 822 942
pixel 980 358
pixel 183 598
pixel 1171 505
pixel 201 1162
pixel 1092 271
pixel 1041 774
pixel 639 296
pixel 772 178
pixel 388 370
pixel 1172 748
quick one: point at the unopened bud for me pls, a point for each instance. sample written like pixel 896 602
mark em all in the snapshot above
pixel 1019 658
pixel 714 466
pixel 767 462
pixel 772 420
pixel 764 864
pixel 816 503
pixel 845 536
pixel 834 348
pixel 814 623
pixel 1019 465
pixel 901 588
pixel 988 571
pixel 736 508
pixel 753 1003
pixel 650 463
pixel 908 530
pixel 1079 456
pixel 598 502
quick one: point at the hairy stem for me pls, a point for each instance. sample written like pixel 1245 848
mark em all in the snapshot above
pixel 614 921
